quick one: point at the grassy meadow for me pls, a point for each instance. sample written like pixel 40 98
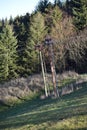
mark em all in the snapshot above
pixel 66 113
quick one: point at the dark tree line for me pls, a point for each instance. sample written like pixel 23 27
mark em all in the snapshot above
pixel 65 22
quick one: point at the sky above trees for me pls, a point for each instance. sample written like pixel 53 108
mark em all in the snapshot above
pixel 17 7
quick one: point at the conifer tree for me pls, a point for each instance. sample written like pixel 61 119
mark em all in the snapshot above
pixel 58 3
pixel 68 7
pixel 80 13
pixel 37 33
pixel 8 54
pixel 42 6
pixel 56 18
pixel 21 27
pixel 53 20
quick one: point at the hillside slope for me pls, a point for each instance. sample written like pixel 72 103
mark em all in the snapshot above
pixel 19 88
pixel 68 112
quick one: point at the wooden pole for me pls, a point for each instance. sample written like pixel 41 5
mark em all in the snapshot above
pixel 52 64
pixel 42 65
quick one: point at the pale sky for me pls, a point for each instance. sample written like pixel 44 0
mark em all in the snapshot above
pixel 16 7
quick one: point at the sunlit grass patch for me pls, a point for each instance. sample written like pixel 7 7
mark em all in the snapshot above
pixel 74 123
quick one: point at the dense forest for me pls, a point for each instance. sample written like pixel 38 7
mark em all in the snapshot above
pixel 65 22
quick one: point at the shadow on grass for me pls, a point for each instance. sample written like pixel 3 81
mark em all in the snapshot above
pixel 26 107
pixel 40 111
pixel 41 117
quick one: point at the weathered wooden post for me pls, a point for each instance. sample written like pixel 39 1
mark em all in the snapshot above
pixel 40 47
pixel 49 43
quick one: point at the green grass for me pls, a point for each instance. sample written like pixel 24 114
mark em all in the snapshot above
pixel 66 113
pixel 2 108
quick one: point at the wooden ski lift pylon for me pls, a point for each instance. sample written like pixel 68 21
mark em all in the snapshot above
pixel 48 42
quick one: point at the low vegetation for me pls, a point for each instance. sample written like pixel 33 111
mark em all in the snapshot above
pixel 68 112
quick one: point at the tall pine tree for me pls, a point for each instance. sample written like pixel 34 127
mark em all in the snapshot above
pixel 21 27
pixel 8 54
pixel 42 6
pixel 37 33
